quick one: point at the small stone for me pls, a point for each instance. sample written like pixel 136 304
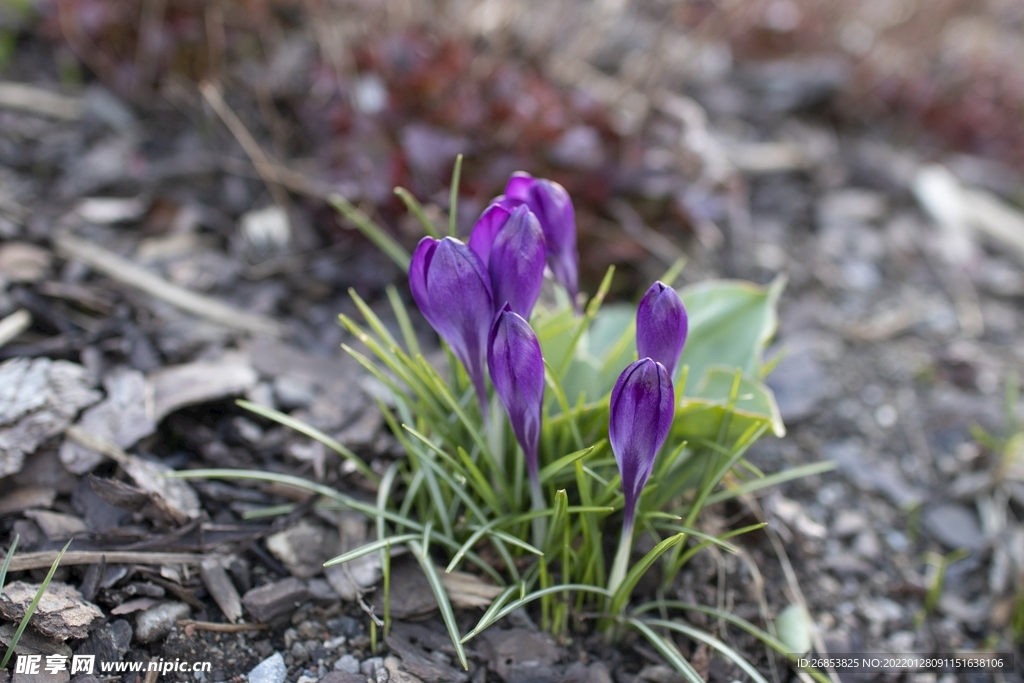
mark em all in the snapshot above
pixel 954 525
pixel 343 677
pixel 299 652
pixel 867 545
pixel 849 523
pixel 157 622
pixel 293 392
pixel 371 665
pixel 270 670
pixel 347 663
pixel 306 678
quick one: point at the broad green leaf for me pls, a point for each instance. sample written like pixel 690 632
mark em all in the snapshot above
pixel 731 322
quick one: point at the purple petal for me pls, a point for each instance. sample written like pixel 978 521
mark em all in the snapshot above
pixel 661 326
pixel 640 416
pixel 486 229
pixel 516 262
pixel 517 371
pixel 451 287
pixel 553 207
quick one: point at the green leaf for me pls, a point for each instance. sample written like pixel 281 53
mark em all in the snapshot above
pixel 313 433
pixel 634 575
pixel 34 604
pixel 370 547
pixel 447 614
pixel 416 209
pixel 7 562
pixel 731 323
pixel 697 634
pixel 372 231
pixel 667 650
pixel 794 628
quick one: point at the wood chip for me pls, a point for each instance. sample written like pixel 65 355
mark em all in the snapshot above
pixel 136 605
pixel 25 498
pixel 223 591
pixel 123 270
pixel 124 417
pixel 38 399
pixel 62 612
pixel 56 525
pixel 23 262
pixel 14 324
pixel 36 100
pixel 176 498
pixel 178 386
pixel 268 602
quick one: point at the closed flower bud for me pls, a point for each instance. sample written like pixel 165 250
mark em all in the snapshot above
pixel 661 326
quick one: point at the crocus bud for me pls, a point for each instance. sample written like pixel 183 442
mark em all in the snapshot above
pixel 511 244
pixel 551 204
pixel 641 412
pixel 517 371
pixel 661 326
pixel 451 287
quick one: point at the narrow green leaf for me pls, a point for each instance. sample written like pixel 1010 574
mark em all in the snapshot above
pixel 667 650
pixel 7 562
pixel 550 470
pixel 697 634
pixel 416 209
pixel 443 604
pixel 402 316
pixel 638 570
pixel 372 231
pixel 34 604
pixel 313 433
pixel 453 201
pixel 762 635
pixel 527 599
pixel 772 480
pixel 369 548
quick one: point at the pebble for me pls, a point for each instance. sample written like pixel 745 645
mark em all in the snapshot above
pixel 347 663
pixel 849 523
pixel 270 670
pixel 954 525
pixel 157 622
pixel 799 383
pixel 370 666
pixel 867 545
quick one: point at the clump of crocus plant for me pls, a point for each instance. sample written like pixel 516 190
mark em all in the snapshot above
pixel 565 371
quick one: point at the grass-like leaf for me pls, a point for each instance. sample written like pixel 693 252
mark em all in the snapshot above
pixel 7 562
pixel 313 433
pixel 771 480
pixel 416 209
pixel 370 547
pixel 372 231
pixel 667 650
pixel 762 635
pixel 453 202
pixel 707 638
pixel 633 576
pixel 35 602
pixel 498 615
pixel 447 614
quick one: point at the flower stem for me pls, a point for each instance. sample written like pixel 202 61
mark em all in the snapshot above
pixel 621 562
pixel 540 524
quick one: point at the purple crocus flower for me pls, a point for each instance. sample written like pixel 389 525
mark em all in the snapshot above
pixel 510 243
pixel 517 371
pixel 551 204
pixel 641 412
pixel 451 287
pixel 661 326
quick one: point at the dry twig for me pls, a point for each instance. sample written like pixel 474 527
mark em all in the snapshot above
pixel 44 559
pixel 125 271
pixel 14 324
